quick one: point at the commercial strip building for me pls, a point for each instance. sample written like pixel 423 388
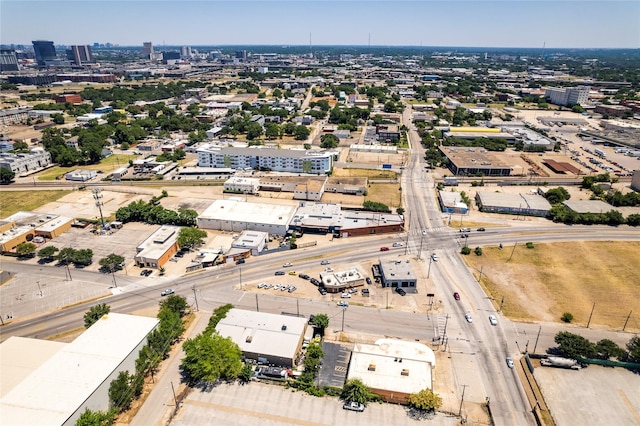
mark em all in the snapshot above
pixel 158 248
pixel 242 185
pixel 265 338
pixel 48 383
pixel 525 204
pixel 451 202
pixel 397 273
pixel 339 282
pixel 270 159
pixel 393 369
pixel 466 161
pixel 478 132
pixel 22 227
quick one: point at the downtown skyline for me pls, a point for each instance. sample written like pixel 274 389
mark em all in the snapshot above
pixel 509 24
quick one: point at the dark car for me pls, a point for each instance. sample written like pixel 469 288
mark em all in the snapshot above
pixel 179 254
pixel 304 276
pixel 315 282
pixel 481 229
pixel 240 261
pixel 368 280
pixel 456 295
pixel 279 272
pixel 146 272
pixel 322 290
pixel 311 317
pixel 400 291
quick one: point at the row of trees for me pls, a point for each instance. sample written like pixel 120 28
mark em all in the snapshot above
pixel 128 386
pixel 140 211
pixel 68 255
pixel 574 346
pixel 561 213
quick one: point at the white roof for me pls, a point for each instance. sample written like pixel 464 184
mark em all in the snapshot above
pixel 381 366
pixel 54 224
pixel 157 244
pixel 263 333
pixel 61 385
pixel 240 211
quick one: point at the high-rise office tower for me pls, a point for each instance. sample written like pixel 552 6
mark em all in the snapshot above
pixel 185 51
pixel 44 50
pixel 241 55
pixel 8 60
pixel 147 49
pixel 80 54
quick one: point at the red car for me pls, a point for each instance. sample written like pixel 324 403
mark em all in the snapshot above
pixel 456 295
pixel 384 248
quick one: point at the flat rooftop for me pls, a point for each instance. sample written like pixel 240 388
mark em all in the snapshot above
pixel 472 157
pixel 240 211
pixel 52 393
pixel 159 242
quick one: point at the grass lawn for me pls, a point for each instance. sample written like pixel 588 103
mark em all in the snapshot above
pixel 14 201
pixel 387 193
pixel 368 173
pixel 108 164
pixel 544 282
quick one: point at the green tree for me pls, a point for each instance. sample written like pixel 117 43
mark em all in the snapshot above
pixel 400 210
pixel 633 346
pixel 190 236
pixel 121 391
pixel 465 250
pixel 573 346
pixel 96 418
pixel 65 256
pixel 175 303
pixel 6 175
pixel 82 257
pixel 210 357
pixel 57 118
pixel 425 400
pixel 375 206
pixel 254 130
pixel 478 251
pixel 111 262
pixel 356 391
pixel 272 131
pixel 606 349
pixel 329 141
pixel 47 253
pixel 246 373
pixel 557 195
pixel 321 322
pixel 307 146
pixel 26 249
pixel 567 317
pixel 301 132
pixel 95 313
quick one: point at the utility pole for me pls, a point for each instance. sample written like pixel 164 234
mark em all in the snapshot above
pixel 98 197
pixel 257 307
pixel 429 270
pixel 195 296
pixel 174 395
pixel 298 306
pixel 344 309
pixel 464 387
pixel 626 321
pixel 514 249
pixel 480 278
pixel 444 333
pixel 39 288
pixel 591 314
pixel 501 303
pixel 537 337
pixel 420 252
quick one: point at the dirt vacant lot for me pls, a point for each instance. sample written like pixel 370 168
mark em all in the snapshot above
pixel 544 282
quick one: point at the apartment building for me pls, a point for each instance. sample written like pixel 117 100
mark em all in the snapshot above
pixel 567 95
pixel 22 164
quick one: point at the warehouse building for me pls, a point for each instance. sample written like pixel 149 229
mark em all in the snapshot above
pixel 22 227
pixel 243 185
pixel 392 368
pixel 51 384
pixel 525 204
pixel 265 338
pixel 451 202
pixel 235 216
pixel 466 161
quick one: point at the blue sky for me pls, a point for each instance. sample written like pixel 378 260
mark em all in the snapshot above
pixel 513 23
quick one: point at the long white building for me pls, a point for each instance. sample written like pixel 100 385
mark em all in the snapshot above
pixel 567 95
pixel 22 164
pixel 237 216
pixel 273 159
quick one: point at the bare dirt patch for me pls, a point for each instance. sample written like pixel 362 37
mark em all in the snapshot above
pixel 387 193
pixel 544 282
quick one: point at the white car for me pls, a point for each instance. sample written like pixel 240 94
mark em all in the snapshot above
pixel 353 406
pixel 510 362
pixel 343 303
pixel 325 262
pixel 398 244
pixel 424 232
pixel 276 287
pixel 493 320
pixel 286 265
pixel 345 295
pixel 167 292
pixel 434 257
pixel 468 318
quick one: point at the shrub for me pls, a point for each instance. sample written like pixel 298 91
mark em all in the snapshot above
pixel 567 317
pixel 465 250
pixel 478 251
pixel 529 245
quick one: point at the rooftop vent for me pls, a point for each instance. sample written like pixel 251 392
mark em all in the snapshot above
pixel 284 327
pixel 249 339
pixel 404 372
pixel 372 367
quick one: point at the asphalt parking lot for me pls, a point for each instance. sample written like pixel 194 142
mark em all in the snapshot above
pixel 578 397
pixel 271 405
pixel 334 364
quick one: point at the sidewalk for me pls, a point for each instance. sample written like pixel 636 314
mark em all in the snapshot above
pixel 160 403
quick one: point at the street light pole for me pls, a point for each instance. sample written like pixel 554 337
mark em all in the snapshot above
pixel 429 271
pixel 97 195
pixel 39 288
pixel 344 309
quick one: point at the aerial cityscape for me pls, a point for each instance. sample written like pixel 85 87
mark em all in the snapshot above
pixel 327 213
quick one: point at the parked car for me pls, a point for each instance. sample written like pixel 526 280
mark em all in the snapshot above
pixel 368 280
pixel 400 291
pixel 325 262
pixel 276 287
pixel 304 276
pixel 311 317
pixel 468 318
pixel 493 320
pixel 146 272
pixel 456 295
pixel 343 303
pixel 286 265
pixel 345 295
pixel 353 406
pixel 279 272
pixel 314 281
pixel 262 285
pixel 434 257
pixel 167 292
pixel 481 229
pixel 322 290
pixel 510 362
pixel 365 292
pixel 240 261
pixel 384 248
pixel 179 254
pixel 292 273
pixel 292 288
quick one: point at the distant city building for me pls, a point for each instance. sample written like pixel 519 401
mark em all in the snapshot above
pixel 185 51
pixel 147 49
pixel 44 51
pixel 8 60
pixel 72 98
pixel 241 55
pixel 567 95
pixel 22 164
pixel 80 55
